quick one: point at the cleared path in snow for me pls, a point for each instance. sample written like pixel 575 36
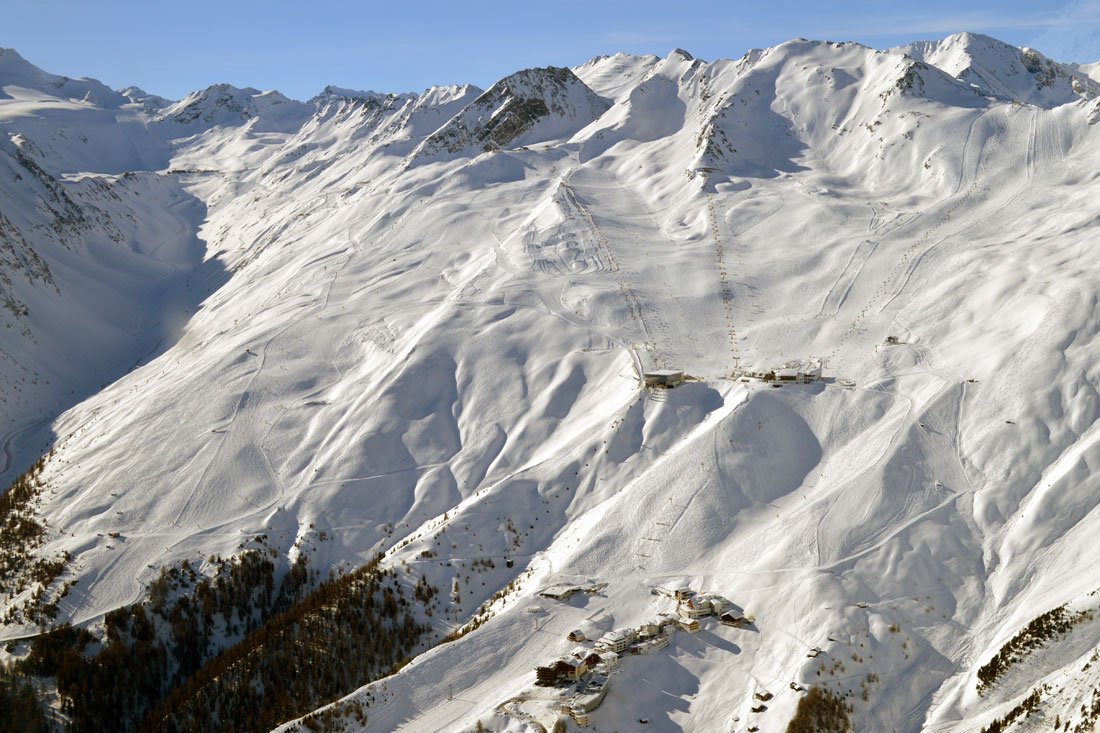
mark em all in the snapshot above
pixel 679 314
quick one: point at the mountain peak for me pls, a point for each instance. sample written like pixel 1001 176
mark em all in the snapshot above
pixel 225 104
pixel 332 92
pixel 447 93
pixel 16 71
pixel 613 76
pixel 151 102
pixel 528 106
pixel 998 69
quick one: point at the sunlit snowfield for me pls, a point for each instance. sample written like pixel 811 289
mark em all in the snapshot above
pixel 419 323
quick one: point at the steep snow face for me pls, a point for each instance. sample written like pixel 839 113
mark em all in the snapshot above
pixel 799 105
pixel 96 275
pixel 834 106
pixel 382 128
pixel 437 105
pixel 613 76
pixel 1003 71
pixel 367 110
pixel 653 110
pixel 417 323
pixel 100 258
pixel 532 106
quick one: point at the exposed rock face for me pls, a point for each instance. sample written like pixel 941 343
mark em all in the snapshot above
pixel 527 107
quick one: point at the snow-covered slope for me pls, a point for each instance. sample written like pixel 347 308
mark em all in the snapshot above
pixel 1090 70
pixel 417 324
pixel 99 268
pixel 612 76
pixel 17 75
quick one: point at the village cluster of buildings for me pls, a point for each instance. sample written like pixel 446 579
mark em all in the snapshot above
pixel 568 668
pixel 798 372
pixel 692 606
pixel 802 371
pixel 588 669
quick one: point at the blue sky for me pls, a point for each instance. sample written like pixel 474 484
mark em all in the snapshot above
pixel 170 48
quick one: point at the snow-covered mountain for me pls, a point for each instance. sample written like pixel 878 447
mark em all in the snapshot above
pixel 1009 73
pixel 414 326
pixel 17 75
pixel 532 106
pixel 225 104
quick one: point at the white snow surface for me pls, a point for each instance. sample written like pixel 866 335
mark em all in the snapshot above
pixel 612 76
pixel 1004 71
pixel 1090 70
pixel 242 314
